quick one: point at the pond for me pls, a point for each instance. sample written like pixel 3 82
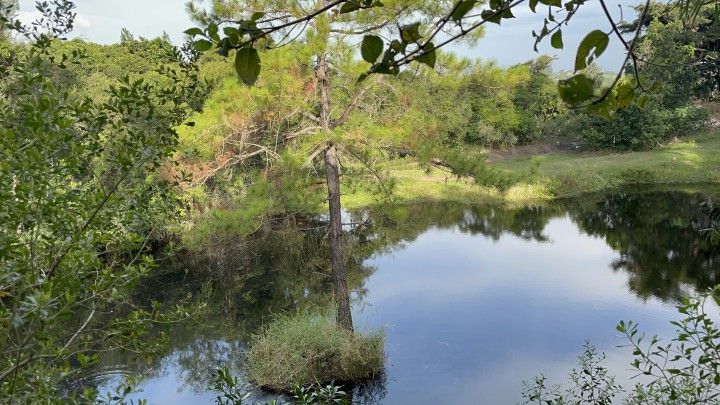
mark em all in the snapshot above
pixel 473 299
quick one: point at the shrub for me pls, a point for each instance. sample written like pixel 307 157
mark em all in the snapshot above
pixel 683 370
pixel 306 349
pixel 688 119
pixel 631 128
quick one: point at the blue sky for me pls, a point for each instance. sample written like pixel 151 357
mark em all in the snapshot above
pixel 102 20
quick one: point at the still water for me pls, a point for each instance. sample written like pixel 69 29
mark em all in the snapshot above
pixel 473 299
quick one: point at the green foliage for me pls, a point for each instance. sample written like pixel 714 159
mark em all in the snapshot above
pixel 589 384
pixel 330 394
pixel 233 392
pixel 417 26
pixel 117 395
pixel 684 370
pixel 670 78
pixel 590 48
pixel 306 349
pixel 371 48
pixel 83 195
pixel 247 65
pixel 98 67
pixel 634 128
pixel 500 106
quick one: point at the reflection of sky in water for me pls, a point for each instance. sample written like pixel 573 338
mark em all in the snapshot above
pixel 467 319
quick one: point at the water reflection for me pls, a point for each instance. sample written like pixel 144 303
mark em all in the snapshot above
pixel 473 299
pixel 660 239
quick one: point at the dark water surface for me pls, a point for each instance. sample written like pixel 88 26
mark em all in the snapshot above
pixel 473 300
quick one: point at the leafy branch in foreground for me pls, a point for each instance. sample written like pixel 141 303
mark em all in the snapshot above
pixel 684 370
pixel 415 33
pixel 83 191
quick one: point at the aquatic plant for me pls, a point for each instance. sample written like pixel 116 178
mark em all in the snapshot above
pixel 310 349
pixel 232 392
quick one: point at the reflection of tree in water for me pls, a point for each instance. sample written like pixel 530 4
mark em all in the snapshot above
pixel 392 227
pixel 195 363
pixel 659 237
pixel 285 267
pixel 282 268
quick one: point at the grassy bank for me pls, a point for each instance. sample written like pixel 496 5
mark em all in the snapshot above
pixel 693 160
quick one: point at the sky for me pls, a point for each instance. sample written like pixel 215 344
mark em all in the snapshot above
pixel 101 21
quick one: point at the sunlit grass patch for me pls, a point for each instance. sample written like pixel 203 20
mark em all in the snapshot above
pixel 306 348
pixel 692 160
pixel 417 184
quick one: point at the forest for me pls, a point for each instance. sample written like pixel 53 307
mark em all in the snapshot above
pixel 335 202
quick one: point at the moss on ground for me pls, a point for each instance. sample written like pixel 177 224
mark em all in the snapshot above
pixel 306 349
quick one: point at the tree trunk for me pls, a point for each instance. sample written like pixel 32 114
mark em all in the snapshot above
pixel 342 295
pixel 323 86
pixel 332 169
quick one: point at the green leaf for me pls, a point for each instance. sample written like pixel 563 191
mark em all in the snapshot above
pixel 212 30
pixel 194 32
pixel 429 56
pixel 556 40
pixel 625 93
pixel 590 48
pixel 533 5
pixel 462 9
pixel 410 33
pixel 398 46
pixel 605 108
pixel 371 48
pixel 556 3
pixel 492 16
pixel 643 100
pixel 349 7
pixel 257 15
pixel 576 89
pixel 202 45
pixel 231 31
pixel 247 65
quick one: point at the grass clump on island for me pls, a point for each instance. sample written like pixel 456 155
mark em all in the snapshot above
pixel 304 349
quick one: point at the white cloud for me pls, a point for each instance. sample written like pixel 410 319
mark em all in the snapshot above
pixel 82 22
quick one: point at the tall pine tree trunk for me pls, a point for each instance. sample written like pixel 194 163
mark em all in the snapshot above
pixel 342 295
pixel 332 170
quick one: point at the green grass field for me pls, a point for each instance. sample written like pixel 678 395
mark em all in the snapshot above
pixel 693 160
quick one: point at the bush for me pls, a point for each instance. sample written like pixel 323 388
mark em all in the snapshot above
pixel 632 128
pixel 306 349
pixel 688 119
pixel 683 370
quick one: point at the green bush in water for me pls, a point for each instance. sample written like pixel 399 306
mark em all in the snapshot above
pixel 304 349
